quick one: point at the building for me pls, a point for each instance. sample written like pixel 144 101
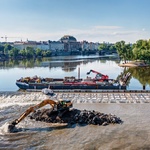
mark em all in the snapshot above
pixel 67 39
pixel 43 45
pixel 23 45
pixel 56 46
pixel 67 45
pixel 70 43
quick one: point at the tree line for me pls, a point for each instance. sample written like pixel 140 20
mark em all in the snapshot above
pixel 9 51
pixel 137 51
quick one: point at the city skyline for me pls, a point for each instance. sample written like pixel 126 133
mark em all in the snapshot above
pixel 90 20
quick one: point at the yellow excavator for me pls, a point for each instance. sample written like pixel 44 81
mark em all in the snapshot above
pixel 61 106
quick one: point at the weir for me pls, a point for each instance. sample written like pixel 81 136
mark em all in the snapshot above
pixel 81 97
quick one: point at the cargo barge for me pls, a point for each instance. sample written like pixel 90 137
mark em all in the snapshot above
pixel 71 83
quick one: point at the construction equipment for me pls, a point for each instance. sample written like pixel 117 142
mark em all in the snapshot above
pixel 61 106
pixel 5 37
pixel 99 76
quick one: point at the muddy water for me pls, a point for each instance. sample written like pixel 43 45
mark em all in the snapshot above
pixel 134 133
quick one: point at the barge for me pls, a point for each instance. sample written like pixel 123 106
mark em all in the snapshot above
pixel 71 83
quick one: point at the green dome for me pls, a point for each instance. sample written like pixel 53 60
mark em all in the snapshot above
pixel 68 38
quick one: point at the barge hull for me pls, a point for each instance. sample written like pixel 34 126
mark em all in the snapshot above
pixel 69 87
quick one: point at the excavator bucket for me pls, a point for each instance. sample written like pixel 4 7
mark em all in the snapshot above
pixel 11 127
pixel 88 73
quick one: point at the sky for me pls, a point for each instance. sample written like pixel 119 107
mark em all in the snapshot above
pixel 91 20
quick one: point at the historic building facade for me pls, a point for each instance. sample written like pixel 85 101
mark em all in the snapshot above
pixel 66 45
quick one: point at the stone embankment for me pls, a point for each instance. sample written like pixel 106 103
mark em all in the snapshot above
pixel 79 97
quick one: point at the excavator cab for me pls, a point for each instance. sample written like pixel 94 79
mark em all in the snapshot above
pixel 64 104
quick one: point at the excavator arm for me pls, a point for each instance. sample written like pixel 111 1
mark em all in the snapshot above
pixel 33 109
pixel 61 105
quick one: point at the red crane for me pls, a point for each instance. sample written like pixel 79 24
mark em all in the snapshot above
pixel 99 76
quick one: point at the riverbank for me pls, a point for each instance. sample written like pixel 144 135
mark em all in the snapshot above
pixel 134 64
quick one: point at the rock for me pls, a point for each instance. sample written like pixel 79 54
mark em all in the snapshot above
pixel 76 116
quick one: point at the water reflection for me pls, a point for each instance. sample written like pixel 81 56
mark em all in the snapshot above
pixel 142 74
pixel 68 66
pixel 66 63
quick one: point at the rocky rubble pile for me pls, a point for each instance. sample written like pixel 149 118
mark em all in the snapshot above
pixel 75 116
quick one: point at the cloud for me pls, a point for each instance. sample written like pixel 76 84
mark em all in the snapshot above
pixel 107 27
pixel 125 33
pixel 92 34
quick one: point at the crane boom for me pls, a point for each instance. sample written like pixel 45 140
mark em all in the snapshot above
pixel 98 75
pixel 5 37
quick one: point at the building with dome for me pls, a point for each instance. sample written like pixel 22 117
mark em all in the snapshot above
pixel 68 38
pixel 67 45
pixel 70 44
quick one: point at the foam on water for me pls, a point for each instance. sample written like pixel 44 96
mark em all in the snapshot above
pixel 7 100
pixel 4 129
pixel 3 105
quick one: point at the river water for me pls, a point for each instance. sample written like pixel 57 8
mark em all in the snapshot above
pixel 33 135
pixel 63 66
pixel 133 134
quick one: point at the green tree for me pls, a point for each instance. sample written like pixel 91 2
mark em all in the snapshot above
pixel 112 48
pixel 1 49
pixel 104 47
pixel 7 47
pixel 38 52
pixel 129 52
pixel 14 52
pixel 46 53
pixel 30 52
pixel 124 50
pixel 22 52
pixel 141 50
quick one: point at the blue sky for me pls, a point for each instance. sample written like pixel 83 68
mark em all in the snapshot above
pixel 91 20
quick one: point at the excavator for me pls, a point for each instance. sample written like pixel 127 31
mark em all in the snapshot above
pixel 62 106
pixel 99 76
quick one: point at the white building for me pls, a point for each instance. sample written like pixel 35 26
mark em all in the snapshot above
pixel 23 45
pixel 84 45
pixel 42 45
pixel 96 45
pixel 56 46
pixel 89 45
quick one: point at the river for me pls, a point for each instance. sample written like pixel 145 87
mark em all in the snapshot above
pixel 134 133
pixel 35 135
pixel 63 66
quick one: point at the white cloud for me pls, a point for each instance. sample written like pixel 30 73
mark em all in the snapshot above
pixel 107 27
pixel 91 34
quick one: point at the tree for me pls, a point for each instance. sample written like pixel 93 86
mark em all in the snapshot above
pixel 13 52
pixel 22 52
pixel 1 49
pixel 129 52
pixel 112 48
pixel 104 47
pixel 141 50
pixel 30 52
pixel 38 52
pixel 124 50
pixel 7 47
pixel 46 53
